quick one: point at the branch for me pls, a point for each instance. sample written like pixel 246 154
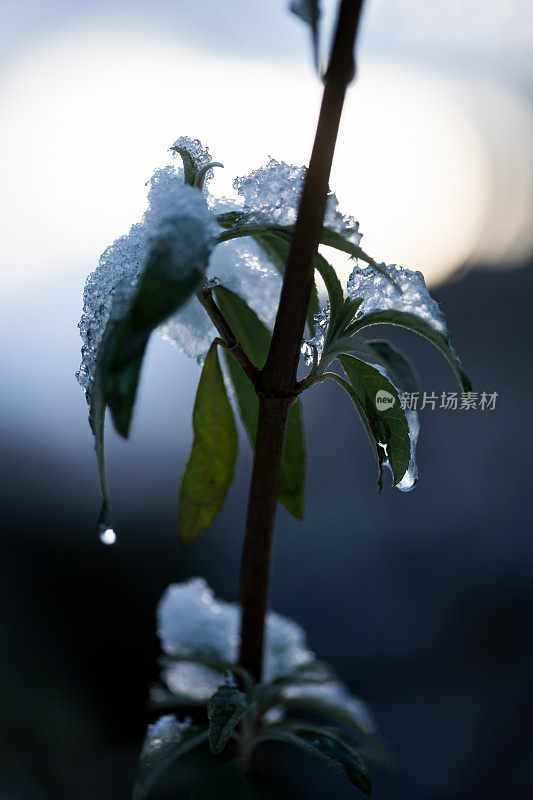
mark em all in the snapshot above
pixel 228 337
pixel 277 386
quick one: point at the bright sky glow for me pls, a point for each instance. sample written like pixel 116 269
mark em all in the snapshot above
pixel 86 121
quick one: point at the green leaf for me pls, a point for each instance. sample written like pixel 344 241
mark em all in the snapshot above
pixel 250 332
pixel 190 168
pixel 254 337
pixel 343 318
pixel 97 410
pixel 423 328
pixel 333 285
pixel 399 368
pixel 309 12
pixel 174 269
pixel 326 747
pixel 331 699
pixel 202 173
pixel 387 427
pixel 165 741
pixel 225 710
pixel 293 462
pixel 211 466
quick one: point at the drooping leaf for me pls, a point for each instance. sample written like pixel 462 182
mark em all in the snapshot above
pixel 97 410
pixel 386 425
pixel 425 329
pixel 399 369
pixel 331 699
pixel 254 337
pixel 333 285
pixel 326 747
pixel 165 741
pixel 225 710
pixel 211 466
pixel 250 332
pixel 293 461
pixel 309 12
pixel 174 269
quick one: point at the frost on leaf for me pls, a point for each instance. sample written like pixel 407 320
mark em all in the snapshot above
pixel 238 265
pixel 271 194
pixel 201 635
pixel 410 478
pixel 406 292
pixel 112 285
pixel 165 741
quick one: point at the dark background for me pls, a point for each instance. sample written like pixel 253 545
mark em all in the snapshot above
pixel 422 601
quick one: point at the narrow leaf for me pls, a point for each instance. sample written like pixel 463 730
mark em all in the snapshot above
pixel 97 422
pixel 202 173
pixel 174 269
pixel 309 12
pixel 225 710
pixel 250 332
pixel 386 424
pixel 189 165
pixel 211 465
pixel 399 369
pixel 343 318
pixel 423 328
pixel 165 741
pixel 329 749
pixel 333 285
pixel 254 337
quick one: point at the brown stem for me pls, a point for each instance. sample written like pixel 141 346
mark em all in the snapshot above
pixel 277 383
pixel 228 337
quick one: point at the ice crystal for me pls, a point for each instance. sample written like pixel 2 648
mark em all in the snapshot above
pixel 111 286
pixel 406 292
pixel 168 730
pixel 195 148
pixel 318 341
pixel 411 475
pixel 239 265
pixel 273 193
pixel 196 627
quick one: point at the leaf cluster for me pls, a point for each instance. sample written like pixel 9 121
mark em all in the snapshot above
pixel 172 275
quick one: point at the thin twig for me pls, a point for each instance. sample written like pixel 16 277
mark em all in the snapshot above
pixel 226 334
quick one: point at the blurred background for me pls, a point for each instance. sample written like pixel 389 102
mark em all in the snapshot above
pixel 423 601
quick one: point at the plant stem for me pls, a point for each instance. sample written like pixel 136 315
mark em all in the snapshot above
pixel 228 337
pixel 277 384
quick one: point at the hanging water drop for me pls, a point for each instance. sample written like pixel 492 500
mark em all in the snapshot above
pixel 108 536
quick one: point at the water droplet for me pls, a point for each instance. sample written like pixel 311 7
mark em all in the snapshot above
pixel 108 536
